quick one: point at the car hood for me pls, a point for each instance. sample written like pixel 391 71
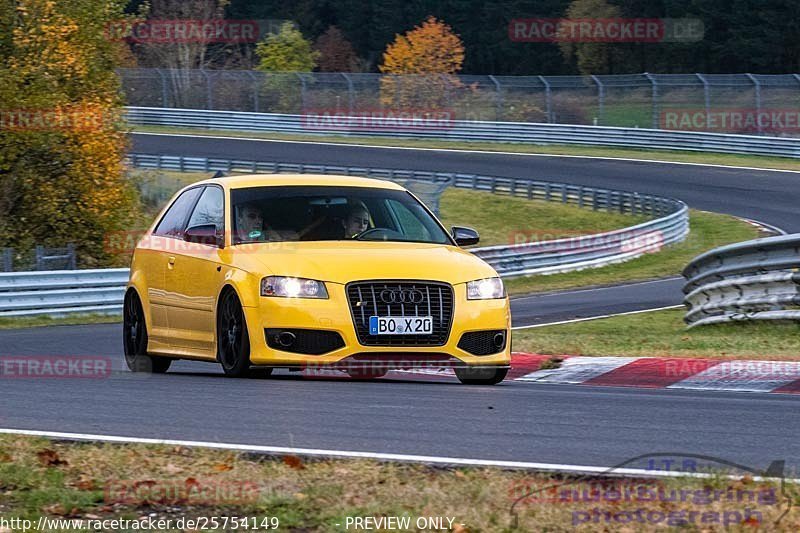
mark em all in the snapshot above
pixel 345 261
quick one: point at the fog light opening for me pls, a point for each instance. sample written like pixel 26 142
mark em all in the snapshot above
pixel 500 340
pixel 286 338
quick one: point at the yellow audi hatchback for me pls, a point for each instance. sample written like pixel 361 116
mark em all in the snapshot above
pixel 311 271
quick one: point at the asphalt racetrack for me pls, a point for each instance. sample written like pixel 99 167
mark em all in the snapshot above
pixel 515 421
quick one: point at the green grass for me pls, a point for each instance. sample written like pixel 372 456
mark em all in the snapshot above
pixel 708 230
pixel 40 477
pixel 41 321
pixel 783 163
pixel 662 334
pixel 505 219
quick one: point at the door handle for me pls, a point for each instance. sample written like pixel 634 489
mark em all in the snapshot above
pixel 170 262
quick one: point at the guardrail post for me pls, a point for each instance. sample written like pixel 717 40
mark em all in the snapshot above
pixel 547 192
pixel 530 191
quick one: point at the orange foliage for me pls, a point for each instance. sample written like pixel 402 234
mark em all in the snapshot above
pixel 428 56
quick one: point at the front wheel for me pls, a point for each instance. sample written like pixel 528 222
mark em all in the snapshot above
pixel 134 338
pixel 475 375
pixel 233 341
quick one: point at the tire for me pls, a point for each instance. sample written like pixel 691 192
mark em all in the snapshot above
pixel 233 340
pixel 134 339
pixel 475 375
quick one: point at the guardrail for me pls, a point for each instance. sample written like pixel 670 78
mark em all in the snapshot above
pixel 64 292
pixel 752 280
pixel 461 130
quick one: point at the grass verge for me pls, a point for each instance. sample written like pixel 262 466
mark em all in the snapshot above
pixel 39 477
pixel 507 220
pixel 662 334
pixel 70 320
pixel 708 230
pixel 703 158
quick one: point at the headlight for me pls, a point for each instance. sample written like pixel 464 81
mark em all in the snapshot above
pixel 287 287
pixel 485 289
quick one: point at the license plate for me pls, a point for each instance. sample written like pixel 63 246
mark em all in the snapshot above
pixel 400 325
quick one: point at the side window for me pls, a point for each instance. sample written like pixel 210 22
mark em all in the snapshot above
pixel 209 209
pixel 171 224
pixel 410 225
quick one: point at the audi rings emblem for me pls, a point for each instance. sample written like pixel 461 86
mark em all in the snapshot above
pixel 402 296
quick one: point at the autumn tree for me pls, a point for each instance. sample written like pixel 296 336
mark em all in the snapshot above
pixel 591 57
pixel 61 140
pixel 426 58
pixel 180 57
pixel 336 54
pixel 286 51
pixel 281 56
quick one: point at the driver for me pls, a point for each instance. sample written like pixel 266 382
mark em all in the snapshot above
pixel 357 220
pixel 250 224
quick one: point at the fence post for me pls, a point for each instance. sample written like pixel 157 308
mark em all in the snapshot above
pixel 8 259
pixel 350 93
pixel 302 91
pixel 164 92
pixel 654 83
pixel 209 95
pixel 548 100
pixel 706 93
pixel 601 97
pixel 757 85
pixel 72 258
pixel 253 77
pixel 498 99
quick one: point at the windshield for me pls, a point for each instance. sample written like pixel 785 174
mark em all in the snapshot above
pixel 323 213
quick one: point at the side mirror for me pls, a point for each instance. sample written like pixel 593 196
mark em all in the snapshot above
pixel 204 234
pixel 465 236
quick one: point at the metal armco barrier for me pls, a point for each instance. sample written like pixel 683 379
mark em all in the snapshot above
pixel 61 292
pixel 460 130
pixel 84 291
pixel 752 280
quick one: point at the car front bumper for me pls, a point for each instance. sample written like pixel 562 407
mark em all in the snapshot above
pixel 333 314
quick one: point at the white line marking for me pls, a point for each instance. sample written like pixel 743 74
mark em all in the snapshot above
pixel 328 143
pixel 598 317
pixel 428 459
pixel 594 289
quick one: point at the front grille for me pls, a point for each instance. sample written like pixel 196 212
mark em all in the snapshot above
pixel 307 341
pixel 437 302
pixel 481 342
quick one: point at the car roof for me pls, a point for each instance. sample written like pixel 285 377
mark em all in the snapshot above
pixel 275 180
